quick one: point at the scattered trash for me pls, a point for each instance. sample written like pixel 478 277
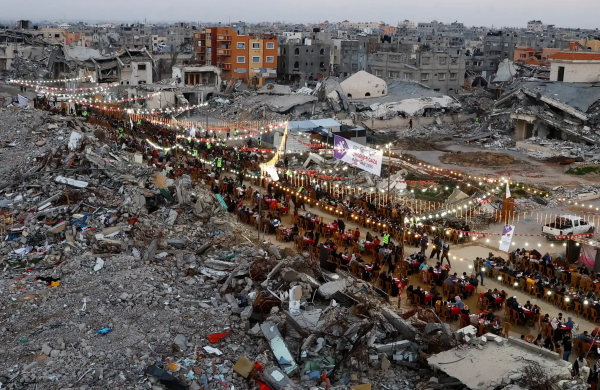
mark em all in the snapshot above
pixel 216 337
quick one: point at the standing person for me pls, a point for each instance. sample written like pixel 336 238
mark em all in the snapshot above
pixel 437 247
pixel 386 239
pixel 479 269
pixel 446 252
pixel 424 242
pixel 341 226
pixel 567 347
pixel 410 123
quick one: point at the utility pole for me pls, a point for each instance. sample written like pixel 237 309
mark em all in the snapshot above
pixel 260 200
pixel 389 169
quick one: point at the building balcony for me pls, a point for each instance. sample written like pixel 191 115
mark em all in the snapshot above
pixel 223 52
pixel 226 38
pixel 226 66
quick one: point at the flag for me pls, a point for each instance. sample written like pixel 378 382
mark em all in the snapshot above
pixel 507 191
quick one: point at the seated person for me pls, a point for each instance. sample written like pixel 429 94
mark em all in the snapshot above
pixel 473 281
pixel 585 337
pixel 490 297
pixel 419 291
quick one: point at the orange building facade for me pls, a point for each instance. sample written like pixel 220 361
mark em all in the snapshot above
pixel 251 58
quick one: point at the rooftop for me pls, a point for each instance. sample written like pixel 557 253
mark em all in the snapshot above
pixel 480 368
pixel 576 56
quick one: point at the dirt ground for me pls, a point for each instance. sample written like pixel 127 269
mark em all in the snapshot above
pixel 417 144
pixel 480 159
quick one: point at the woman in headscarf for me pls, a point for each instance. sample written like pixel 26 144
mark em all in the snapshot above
pixel 458 302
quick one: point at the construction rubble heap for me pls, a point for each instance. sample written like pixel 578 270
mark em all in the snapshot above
pixel 114 276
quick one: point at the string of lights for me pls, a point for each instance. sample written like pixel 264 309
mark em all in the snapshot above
pixel 39 82
pixel 95 100
pixel 51 90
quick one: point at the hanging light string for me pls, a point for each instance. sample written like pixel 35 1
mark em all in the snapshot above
pixel 52 90
pixel 38 82
pixel 480 179
pixel 95 100
pixel 154 111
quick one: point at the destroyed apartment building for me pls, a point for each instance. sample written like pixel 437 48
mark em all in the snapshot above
pixel 126 67
pixel 552 110
pixel 378 105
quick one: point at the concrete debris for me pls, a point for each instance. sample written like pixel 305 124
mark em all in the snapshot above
pixel 142 281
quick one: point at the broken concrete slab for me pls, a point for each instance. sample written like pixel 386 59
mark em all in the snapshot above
pixel 280 350
pixel 71 182
pixel 329 289
pixel 278 380
pixel 404 327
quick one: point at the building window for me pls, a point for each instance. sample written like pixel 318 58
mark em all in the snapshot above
pixel 270 59
pixel 199 43
pixel 322 52
pixel 453 76
pixel 297 51
pixel 425 60
pixel 393 75
pixel 454 61
pixel 407 76
pixel 141 66
pixel 271 45
pixel 523 55
pixel 256 45
pixel 241 45
pixel 282 63
pixel 378 73
pixel 296 65
pixel 255 60
pixel 424 76
pixel 467 63
pixel 442 60
pixel 442 77
pixel 241 60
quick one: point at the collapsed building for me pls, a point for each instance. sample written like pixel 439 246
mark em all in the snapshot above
pixel 552 110
pixel 406 100
pixel 126 67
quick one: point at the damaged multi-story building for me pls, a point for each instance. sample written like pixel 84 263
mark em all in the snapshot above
pixel 251 58
pixel 443 72
pixel 304 59
pixel 127 67
pixel 552 110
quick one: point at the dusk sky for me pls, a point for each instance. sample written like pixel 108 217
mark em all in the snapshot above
pixel 513 13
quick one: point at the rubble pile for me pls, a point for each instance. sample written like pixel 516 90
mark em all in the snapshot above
pixel 577 152
pixel 116 276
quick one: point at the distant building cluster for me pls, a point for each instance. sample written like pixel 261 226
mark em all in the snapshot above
pixel 440 56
